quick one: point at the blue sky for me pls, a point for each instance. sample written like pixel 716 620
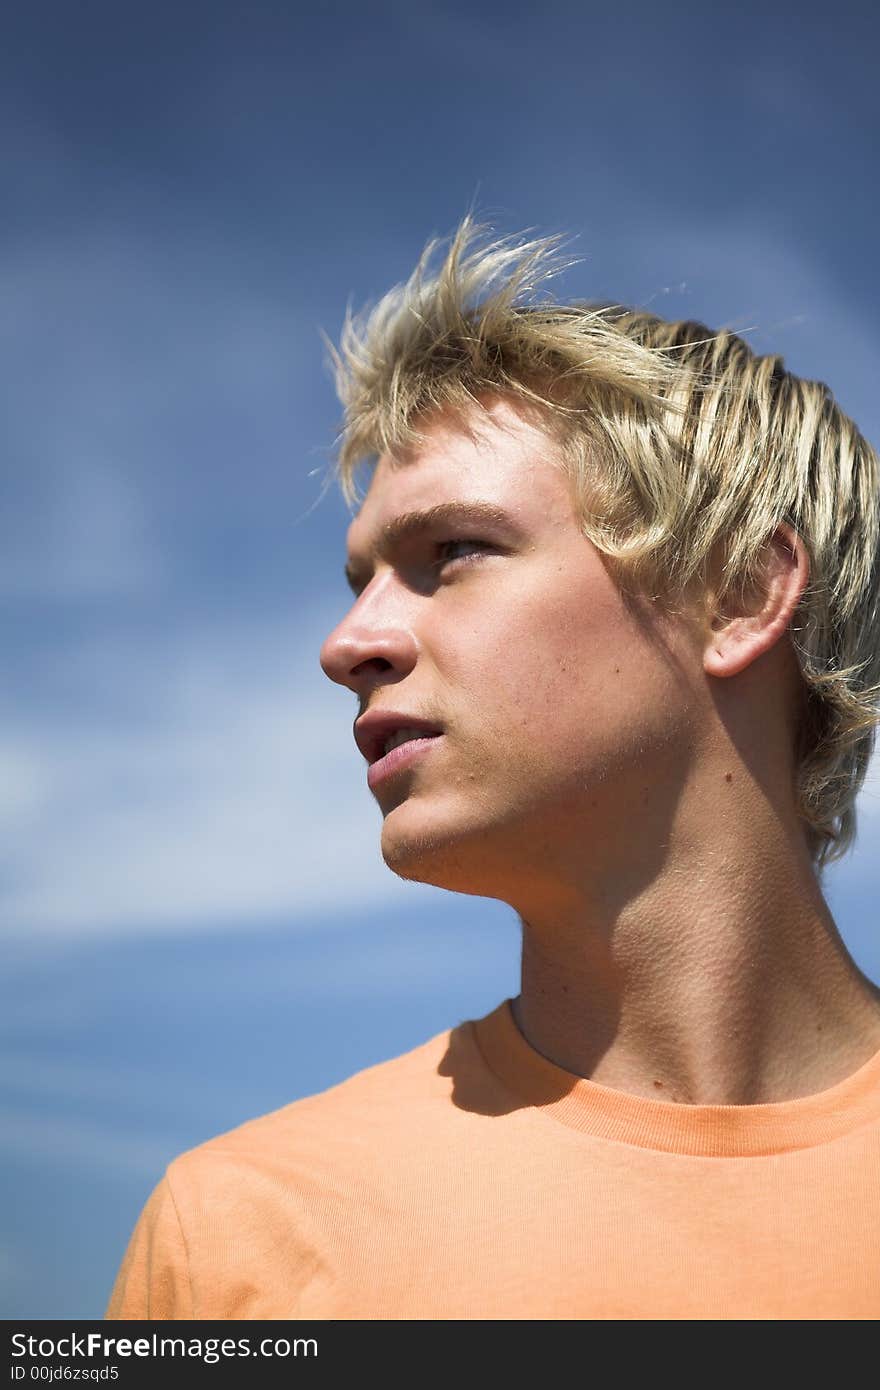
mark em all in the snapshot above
pixel 198 922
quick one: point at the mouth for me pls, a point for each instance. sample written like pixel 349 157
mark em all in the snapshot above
pixel 381 732
pixel 399 738
pixel 401 754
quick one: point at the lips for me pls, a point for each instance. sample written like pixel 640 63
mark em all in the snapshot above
pixel 400 758
pixel 373 730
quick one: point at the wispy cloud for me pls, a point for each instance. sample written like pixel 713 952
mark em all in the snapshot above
pixel 751 272
pixel 149 397
pixel 87 536
pixel 94 1146
pixel 215 777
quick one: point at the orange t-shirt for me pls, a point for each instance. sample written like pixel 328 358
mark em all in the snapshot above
pixel 473 1178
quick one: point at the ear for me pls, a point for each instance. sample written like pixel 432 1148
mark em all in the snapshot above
pixel 740 637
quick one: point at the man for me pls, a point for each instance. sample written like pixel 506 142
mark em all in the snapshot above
pixel 615 648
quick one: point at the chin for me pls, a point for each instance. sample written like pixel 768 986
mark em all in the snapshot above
pixel 454 858
pixel 427 858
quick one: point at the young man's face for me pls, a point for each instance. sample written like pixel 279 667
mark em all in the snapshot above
pixel 567 730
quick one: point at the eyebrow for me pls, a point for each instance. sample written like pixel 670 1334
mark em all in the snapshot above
pixel 410 524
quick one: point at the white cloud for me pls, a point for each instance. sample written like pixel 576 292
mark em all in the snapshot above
pixel 224 784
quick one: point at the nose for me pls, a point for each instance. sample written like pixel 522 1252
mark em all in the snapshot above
pixel 367 650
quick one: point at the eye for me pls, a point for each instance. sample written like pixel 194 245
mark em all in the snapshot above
pixel 445 559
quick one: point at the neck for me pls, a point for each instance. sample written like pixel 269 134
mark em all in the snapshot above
pixel 714 983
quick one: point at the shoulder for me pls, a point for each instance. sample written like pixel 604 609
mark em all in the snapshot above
pixel 285 1201
pixel 380 1108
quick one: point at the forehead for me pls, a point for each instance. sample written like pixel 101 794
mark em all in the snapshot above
pixel 495 454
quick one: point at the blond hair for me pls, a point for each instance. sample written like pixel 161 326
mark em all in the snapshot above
pixel 685 450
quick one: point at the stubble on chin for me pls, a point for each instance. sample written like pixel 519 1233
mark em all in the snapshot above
pixel 444 856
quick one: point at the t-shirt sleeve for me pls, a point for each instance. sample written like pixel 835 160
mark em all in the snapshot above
pixel 153 1280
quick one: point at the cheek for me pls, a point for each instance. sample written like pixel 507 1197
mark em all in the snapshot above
pixel 542 667
pixel 567 684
